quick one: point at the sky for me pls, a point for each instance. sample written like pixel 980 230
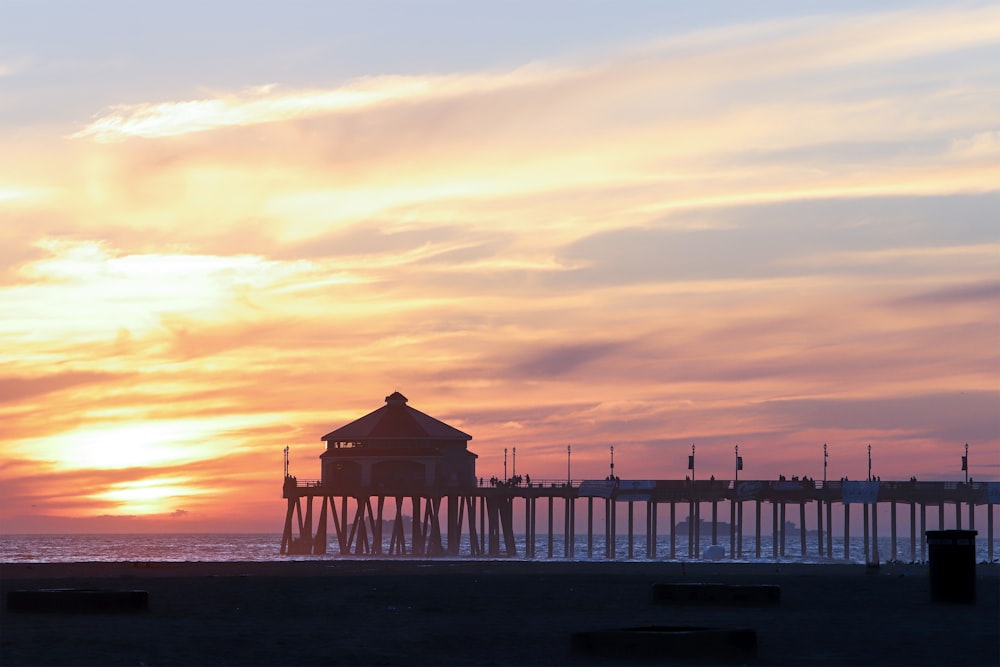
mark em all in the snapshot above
pixel 231 227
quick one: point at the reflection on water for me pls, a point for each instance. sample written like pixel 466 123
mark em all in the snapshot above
pixel 264 547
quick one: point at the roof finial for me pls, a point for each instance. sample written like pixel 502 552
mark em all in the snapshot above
pixel 395 397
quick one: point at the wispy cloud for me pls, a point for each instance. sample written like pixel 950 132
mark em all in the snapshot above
pixel 981 144
pixel 21 388
pixel 574 148
pixel 268 104
pixel 985 293
pixel 762 51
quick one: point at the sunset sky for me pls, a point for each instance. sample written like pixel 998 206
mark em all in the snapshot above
pixel 231 226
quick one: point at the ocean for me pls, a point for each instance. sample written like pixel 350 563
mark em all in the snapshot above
pixel 224 547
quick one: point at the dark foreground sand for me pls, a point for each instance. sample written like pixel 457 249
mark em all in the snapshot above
pixel 336 612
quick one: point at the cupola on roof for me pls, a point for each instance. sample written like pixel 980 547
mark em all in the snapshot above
pixel 396 421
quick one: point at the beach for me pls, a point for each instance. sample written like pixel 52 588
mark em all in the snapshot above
pixel 411 612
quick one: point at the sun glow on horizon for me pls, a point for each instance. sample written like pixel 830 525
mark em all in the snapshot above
pixel 150 496
pixel 145 443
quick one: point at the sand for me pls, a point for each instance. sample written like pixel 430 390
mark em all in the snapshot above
pixel 407 612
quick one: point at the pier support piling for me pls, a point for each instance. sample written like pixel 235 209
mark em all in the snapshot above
pixel 732 529
pixel 551 539
pixel 758 529
pixel 876 557
pixel 989 531
pixel 847 531
pixel 673 531
pixel 892 527
pixel 775 530
pixel 715 522
pixel 802 527
pixel 819 527
pixel 631 555
pixel 864 517
pixel 781 528
pixel 438 530
pixel 590 527
pixel 739 530
pixel 923 531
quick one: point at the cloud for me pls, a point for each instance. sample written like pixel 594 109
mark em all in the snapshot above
pixel 103 291
pixel 16 197
pixel 762 51
pixel 563 359
pixel 981 144
pixel 265 104
pixel 787 239
pixel 733 118
pixel 953 417
pixel 144 492
pixel 979 293
pixel 15 389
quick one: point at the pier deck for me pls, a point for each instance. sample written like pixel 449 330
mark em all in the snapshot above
pixel 439 517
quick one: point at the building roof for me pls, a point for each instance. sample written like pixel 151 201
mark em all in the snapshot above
pixel 395 421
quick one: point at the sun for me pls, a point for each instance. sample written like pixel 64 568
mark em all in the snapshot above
pixel 149 496
pixel 136 443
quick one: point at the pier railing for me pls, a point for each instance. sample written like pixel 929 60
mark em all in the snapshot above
pixel 686 490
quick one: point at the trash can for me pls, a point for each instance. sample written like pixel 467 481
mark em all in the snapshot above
pixel 952 555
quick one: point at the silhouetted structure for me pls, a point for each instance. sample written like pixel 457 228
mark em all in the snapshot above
pixel 394 452
pixel 398 450
pixel 398 453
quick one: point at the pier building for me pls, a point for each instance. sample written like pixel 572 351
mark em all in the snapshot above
pixel 397 449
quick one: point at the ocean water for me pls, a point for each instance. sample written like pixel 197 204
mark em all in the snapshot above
pixel 208 547
pixel 180 547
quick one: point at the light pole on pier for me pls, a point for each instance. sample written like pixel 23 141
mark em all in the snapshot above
pixel 513 465
pixel 691 463
pixel 869 463
pixel 612 463
pixel 965 463
pixel 739 463
pixel 825 457
pixel 569 477
pixel 505 464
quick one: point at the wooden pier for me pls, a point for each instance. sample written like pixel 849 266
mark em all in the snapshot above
pixel 351 516
pixel 397 459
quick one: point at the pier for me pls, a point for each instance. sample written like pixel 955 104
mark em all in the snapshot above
pixel 398 482
pixel 483 517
